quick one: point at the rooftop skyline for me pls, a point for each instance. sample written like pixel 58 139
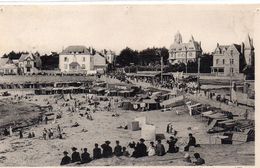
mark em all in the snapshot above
pixel 51 28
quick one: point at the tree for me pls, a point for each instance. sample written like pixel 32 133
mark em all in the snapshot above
pixel 13 55
pixel 126 57
pixel 50 62
pixel 150 56
pixel 206 62
pixel 192 67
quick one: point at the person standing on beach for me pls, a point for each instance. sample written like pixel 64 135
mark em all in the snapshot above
pixel 21 133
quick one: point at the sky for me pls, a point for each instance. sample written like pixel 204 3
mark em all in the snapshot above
pixel 50 28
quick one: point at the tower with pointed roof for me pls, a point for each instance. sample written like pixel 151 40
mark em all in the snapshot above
pixel 178 38
pixel 249 51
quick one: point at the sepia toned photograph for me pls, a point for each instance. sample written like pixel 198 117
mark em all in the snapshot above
pixel 127 84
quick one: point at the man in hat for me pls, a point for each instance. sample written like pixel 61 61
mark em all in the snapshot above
pixel 75 157
pixel 107 150
pixel 172 148
pixel 96 152
pixel 66 159
pixel 118 149
pixel 159 148
pixel 85 156
pixel 141 148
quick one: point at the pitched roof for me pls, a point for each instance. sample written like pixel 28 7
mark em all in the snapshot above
pixel 3 61
pixel 76 49
pixel 25 56
pixel 238 47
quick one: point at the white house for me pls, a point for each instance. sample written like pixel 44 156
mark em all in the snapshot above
pixel 7 67
pixel 100 62
pixel 109 55
pixel 29 63
pixel 76 59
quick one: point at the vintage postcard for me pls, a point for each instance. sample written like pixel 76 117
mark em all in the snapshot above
pixel 128 84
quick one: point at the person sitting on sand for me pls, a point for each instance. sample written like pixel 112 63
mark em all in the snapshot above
pixel 140 149
pixel 151 149
pixel 96 152
pixel 125 152
pixel 187 158
pixel 75 124
pixel 107 150
pixel 192 142
pixel 30 135
pixel 118 149
pixel 85 156
pixel 66 159
pixel 199 160
pixel 172 148
pixel 159 148
pixel 75 156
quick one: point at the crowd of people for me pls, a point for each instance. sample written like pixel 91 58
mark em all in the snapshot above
pixel 139 150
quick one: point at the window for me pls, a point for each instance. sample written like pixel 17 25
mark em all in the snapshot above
pixel 231 53
pixel 231 70
pixel 216 61
pixel 223 61
pixel 84 59
pixel 83 66
pixel 231 61
pixel 65 66
pixel 221 70
pixel 66 59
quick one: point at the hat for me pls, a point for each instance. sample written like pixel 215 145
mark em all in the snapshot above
pixel 142 140
pixel 65 153
pixel 107 142
pixel 171 137
pixel 74 148
pixel 186 155
pixel 85 149
pixel 117 141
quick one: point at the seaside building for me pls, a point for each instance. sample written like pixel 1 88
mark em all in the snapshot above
pixel 232 59
pixel 184 52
